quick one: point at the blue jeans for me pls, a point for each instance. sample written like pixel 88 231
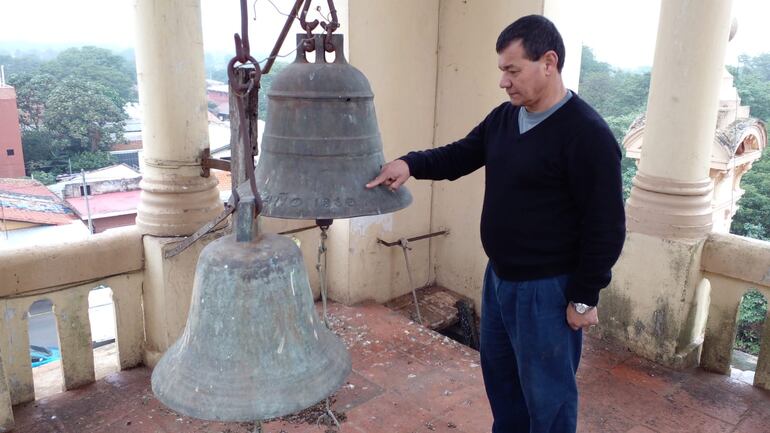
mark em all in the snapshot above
pixel 529 355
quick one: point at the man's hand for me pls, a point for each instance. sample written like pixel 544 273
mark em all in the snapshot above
pixel 578 321
pixel 392 175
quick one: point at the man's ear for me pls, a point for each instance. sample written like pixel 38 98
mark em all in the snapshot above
pixel 551 61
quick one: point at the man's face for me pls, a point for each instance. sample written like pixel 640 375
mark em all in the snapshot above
pixel 522 79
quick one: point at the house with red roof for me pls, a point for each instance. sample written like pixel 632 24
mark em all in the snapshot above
pixel 107 197
pixel 30 214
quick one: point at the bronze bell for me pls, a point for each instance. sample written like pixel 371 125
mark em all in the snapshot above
pixel 321 143
pixel 254 347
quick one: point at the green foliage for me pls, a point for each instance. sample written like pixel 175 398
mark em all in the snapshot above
pixel 619 96
pixel 70 104
pixel 752 79
pixel 37 146
pixel 84 115
pixel 265 83
pixel 99 66
pixel 753 216
pixel 32 91
pixel 91 160
pixel 44 177
pixel 751 317
pixel 627 171
pixel 20 65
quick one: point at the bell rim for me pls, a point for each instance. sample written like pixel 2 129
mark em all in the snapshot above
pixel 245 413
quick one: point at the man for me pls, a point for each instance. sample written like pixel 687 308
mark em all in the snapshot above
pixel 552 225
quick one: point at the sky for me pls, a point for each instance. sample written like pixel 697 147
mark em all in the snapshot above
pixel 110 23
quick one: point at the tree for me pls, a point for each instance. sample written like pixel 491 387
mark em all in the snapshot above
pixel 84 116
pixel 91 160
pixel 44 177
pixel 751 317
pixel 96 65
pixel 753 216
pixel 32 90
pixel 619 96
pixel 752 79
pixel 21 65
pixel 265 82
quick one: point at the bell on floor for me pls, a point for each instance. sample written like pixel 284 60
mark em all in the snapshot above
pixel 254 347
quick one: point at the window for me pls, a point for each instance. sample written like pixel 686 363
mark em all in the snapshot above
pixel 87 190
pixel 9 152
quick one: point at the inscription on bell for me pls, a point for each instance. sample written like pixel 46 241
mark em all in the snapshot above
pixel 284 199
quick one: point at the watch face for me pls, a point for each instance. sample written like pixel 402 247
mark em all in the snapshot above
pixel 581 308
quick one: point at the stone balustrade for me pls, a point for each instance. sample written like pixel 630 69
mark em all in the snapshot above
pixel 733 265
pixel 64 274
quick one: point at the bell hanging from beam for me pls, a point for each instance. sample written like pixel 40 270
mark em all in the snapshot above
pixel 254 347
pixel 321 143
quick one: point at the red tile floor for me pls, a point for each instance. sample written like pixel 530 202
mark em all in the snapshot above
pixel 409 379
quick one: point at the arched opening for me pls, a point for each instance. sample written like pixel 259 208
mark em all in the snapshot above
pixel 101 314
pixel 44 349
pixel 751 319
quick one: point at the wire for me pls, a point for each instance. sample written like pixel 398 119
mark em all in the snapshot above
pixel 284 55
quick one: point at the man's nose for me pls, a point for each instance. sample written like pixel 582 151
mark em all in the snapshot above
pixel 504 82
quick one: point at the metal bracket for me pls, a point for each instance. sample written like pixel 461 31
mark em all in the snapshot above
pixel 404 244
pixel 207 163
pixel 230 207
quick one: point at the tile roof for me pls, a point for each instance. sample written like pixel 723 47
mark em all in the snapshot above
pixel 107 204
pixel 30 201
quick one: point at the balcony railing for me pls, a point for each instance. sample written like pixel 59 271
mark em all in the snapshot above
pixel 733 265
pixel 64 274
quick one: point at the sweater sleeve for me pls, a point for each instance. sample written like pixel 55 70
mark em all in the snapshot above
pixel 596 186
pixel 451 161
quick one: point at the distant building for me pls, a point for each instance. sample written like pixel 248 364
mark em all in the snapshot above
pixel 218 93
pixel 11 154
pixel 113 196
pixel 30 214
pixel 129 151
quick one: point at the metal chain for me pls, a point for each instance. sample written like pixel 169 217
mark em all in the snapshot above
pixel 242 91
pixel 329 413
pixel 257 426
pixel 321 267
pixel 405 246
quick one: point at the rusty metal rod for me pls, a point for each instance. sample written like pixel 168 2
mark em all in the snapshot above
pixel 416 238
pixel 405 246
pixel 292 16
pixel 297 230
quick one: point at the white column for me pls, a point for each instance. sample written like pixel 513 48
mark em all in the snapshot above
pixel 176 199
pixel 671 196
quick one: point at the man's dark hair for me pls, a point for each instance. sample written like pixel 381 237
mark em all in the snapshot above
pixel 538 35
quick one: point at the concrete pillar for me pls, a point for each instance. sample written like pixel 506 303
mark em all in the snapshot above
pixel 175 199
pixel 660 315
pixel 167 291
pixel 671 196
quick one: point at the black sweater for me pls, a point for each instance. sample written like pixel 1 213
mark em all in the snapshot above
pixel 553 202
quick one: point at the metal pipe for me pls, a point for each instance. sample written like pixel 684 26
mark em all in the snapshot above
pixel 292 16
pixel 416 238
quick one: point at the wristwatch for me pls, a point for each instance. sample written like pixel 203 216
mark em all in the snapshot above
pixel 582 308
